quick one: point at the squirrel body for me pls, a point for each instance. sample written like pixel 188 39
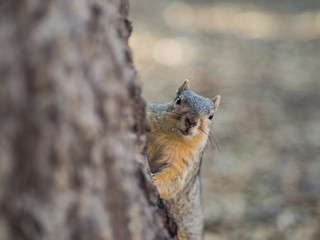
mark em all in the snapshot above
pixel 178 136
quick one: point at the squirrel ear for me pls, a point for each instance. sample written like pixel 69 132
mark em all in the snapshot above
pixel 183 87
pixel 216 102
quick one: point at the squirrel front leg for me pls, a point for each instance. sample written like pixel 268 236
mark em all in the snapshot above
pixel 167 181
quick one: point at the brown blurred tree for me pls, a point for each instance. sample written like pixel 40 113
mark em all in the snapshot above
pixel 72 126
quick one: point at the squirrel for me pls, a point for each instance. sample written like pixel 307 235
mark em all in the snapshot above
pixel 178 136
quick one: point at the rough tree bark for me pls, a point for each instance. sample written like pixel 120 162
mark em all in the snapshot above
pixel 72 126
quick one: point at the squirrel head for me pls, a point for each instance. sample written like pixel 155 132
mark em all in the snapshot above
pixel 192 113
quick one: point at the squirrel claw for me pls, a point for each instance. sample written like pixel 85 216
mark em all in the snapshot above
pixel 153 177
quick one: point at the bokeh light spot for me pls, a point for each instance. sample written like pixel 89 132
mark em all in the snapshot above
pixel 168 52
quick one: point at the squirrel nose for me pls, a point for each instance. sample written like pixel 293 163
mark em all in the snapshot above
pixel 191 121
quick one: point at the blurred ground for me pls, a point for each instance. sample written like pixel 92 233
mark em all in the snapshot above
pixel 263 58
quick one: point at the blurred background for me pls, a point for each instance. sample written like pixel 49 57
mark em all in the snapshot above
pixel 263 58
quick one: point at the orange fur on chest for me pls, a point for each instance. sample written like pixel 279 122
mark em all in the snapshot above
pixel 176 152
pixel 179 155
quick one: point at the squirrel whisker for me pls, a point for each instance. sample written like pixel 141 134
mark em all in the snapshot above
pixel 176 116
pixel 204 130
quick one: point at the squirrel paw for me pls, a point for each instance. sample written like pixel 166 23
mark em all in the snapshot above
pixel 153 177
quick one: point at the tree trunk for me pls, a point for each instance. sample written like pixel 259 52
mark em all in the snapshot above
pixel 72 126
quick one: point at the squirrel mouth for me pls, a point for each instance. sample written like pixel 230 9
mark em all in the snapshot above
pixel 185 132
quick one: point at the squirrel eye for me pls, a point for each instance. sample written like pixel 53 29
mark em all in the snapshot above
pixel 178 102
pixel 211 116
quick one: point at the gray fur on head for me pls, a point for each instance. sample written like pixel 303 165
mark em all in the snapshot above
pixel 197 103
